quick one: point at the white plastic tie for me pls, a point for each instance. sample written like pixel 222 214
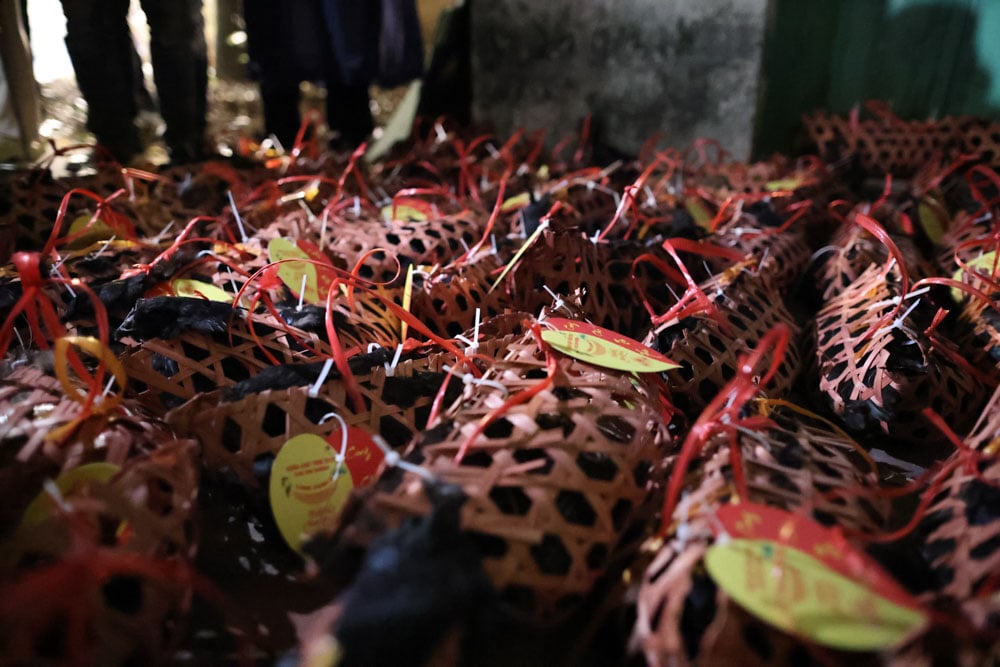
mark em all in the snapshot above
pixel 276 143
pixel 106 244
pixel 322 228
pixel 559 303
pixel 302 293
pixel 236 214
pixel 163 232
pixel 67 284
pixel 898 323
pixel 469 378
pixel 314 389
pixel 390 368
pixel 473 345
pixel 393 460
pixel 305 207
pixel 822 251
pixel 919 292
pixel 57 497
pixel 342 454
pixel 108 386
pixel 650 197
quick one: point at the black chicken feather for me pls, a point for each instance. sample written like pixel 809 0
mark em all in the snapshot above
pixel 287 376
pixel 416 585
pixel 170 316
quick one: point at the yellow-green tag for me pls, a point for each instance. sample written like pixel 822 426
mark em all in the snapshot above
pixel 407 300
pixel 515 202
pixel 404 212
pixel 933 218
pixel 307 489
pixel 68 483
pixel 983 263
pixel 603 347
pixel 797 593
pixel 784 184
pixel 198 289
pixel 315 268
pixel 96 232
pixel 702 216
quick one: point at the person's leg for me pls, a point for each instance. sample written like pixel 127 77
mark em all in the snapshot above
pixel 281 109
pixel 274 37
pixel 95 33
pixel 143 100
pixel 348 112
pixel 180 70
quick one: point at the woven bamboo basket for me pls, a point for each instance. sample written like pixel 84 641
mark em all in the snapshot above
pixel 163 373
pixel 246 423
pixel 707 346
pixel 982 138
pixel 852 250
pixel 979 336
pixel 782 256
pixel 446 299
pixel 683 617
pixel 32 205
pixel 962 535
pixel 968 236
pixel 424 243
pixel 962 530
pixel 35 197
pixel 120 547
pixel 567 261
pixel 594 208
pixel 878 381
pixel 559 487
pixel 960 542
pixel 886 145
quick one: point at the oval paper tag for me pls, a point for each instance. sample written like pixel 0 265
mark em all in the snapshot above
pixel 68 483
pixel 97 231
pixel 308 488
pixel 984 264
pixel 319 273
pixel 199 289
pixel 405 210
pixel 808 580
pixel 603 347
pixel 798 594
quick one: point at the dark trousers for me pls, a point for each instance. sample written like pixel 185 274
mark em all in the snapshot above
pixel 347 111
pixel 101 48
pixel 289 42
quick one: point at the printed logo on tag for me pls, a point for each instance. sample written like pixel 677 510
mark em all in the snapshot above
pixel 808 580
pixel 309 488
pixel 602 347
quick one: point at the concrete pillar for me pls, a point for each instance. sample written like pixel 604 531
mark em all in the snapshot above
pixel 687 68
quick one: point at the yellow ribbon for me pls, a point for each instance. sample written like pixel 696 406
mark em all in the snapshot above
pixel 93 401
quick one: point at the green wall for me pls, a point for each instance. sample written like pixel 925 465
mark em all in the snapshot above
pixel 928 58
